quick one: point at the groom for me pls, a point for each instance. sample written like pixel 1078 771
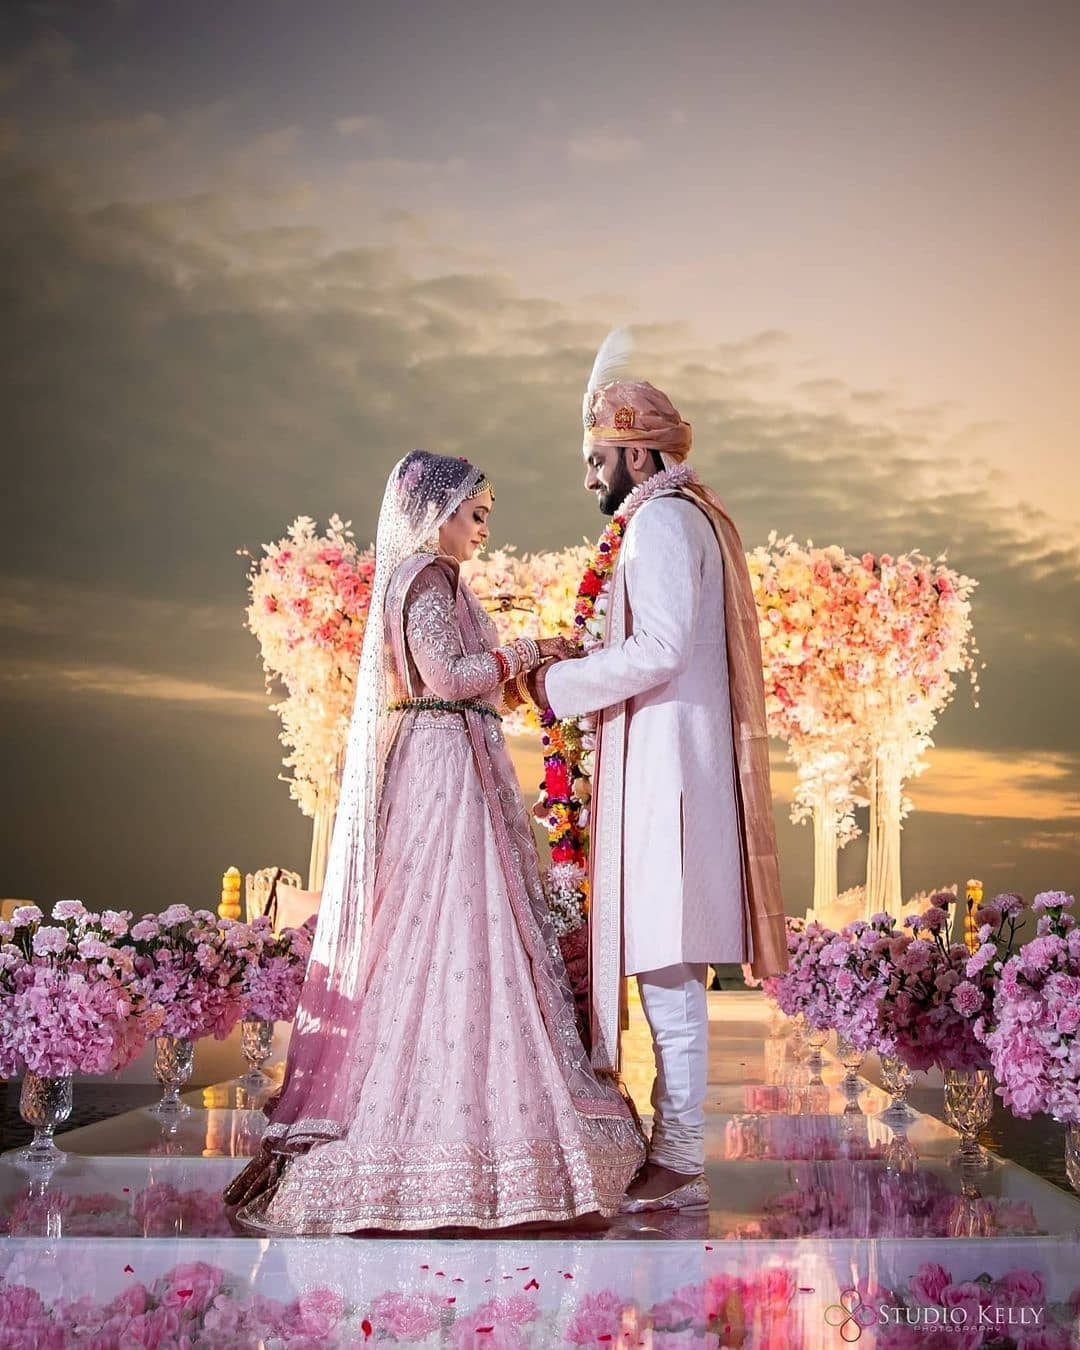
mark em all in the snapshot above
pixel 684 870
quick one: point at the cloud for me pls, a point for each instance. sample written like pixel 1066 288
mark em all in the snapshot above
pixel 125 131
pixel 45 57
pixel 47 681
pixel 603 147
pixel 357 126
pixel 177 384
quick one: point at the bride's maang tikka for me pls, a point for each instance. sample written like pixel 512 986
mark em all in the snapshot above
pixel 482 486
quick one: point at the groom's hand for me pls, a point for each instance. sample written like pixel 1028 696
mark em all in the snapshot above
pixel 558 649
pixel 536 682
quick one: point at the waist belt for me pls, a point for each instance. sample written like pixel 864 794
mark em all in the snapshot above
pixel 460 705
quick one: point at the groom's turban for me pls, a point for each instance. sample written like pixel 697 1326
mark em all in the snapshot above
pixel 629 412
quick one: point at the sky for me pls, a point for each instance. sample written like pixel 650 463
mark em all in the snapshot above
pixel 253 252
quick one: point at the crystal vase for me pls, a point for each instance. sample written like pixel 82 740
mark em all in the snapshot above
pixel 850 1056
pixel 173 1060
pixel 44 1103
pixel 969 1104
pixel 896 1078
pixel 815 1040
pixel 1072 1156
pixel 256 1037
pixel 900 1154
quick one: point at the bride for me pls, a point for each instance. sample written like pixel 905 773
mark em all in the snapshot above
pixel 435 1075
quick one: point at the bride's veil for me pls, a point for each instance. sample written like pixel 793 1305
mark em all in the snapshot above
pixel 422 493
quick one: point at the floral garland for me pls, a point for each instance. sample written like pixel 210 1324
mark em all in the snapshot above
pixel 569 745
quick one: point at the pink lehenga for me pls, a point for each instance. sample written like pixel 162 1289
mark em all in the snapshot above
pixel 443 1082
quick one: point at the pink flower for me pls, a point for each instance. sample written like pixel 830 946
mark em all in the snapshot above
pixel 19 1304
pixel 967 999
pixel 132 1302
pixel 174 915
pixel 404 1316
pixel 515 1308
pixel 68 909
pixel 49 940
pixel 191 1287
pixel 597 1315
pixel 968 1296
pixel 1023 1287
pixel 930 1282
pixel 318 1311
pixel 1053 900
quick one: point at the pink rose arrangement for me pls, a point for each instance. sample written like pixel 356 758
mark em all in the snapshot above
pixel 978 1311
pixel 70 1000
pixel 275 973
pixel 937 991
pixel 194 966
pixel 310 595
pixel 1030 1032
pixel 193 1304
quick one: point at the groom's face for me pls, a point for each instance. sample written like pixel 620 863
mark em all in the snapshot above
pixel 607 476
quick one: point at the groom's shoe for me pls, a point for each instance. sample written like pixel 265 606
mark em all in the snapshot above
pixel 688 1193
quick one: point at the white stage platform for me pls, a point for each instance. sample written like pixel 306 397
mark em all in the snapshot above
pixel 822 1217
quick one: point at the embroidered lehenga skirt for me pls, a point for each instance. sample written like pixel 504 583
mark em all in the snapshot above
pixel 462 1113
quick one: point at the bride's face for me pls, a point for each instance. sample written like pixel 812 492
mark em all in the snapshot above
pixel 467 528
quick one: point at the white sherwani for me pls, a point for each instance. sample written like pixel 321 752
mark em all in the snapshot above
pixel 665 666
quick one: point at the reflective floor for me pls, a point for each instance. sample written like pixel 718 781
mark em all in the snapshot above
pixel 815 1190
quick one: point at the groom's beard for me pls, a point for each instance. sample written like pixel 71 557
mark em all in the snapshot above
pixel 618 489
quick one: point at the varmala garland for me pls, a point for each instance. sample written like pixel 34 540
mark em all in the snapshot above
pixel 570 745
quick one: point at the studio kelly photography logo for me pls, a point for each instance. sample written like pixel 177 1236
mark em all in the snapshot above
pixel 853 1314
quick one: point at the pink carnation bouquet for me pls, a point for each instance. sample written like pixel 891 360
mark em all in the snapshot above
pixel 70 1001
pixel 806 986
pixel 193 965
pixel 937 991
pixel 275 975
pixel 1030 1032
pixel 857 962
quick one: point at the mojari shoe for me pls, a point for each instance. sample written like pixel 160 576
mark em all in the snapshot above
pixel 690 1195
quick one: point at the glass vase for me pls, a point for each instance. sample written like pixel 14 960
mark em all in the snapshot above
pixel 256 1038
pixel 969 1104
pixel 173 1060
pixel 815 1041
pixel 850 1056
pixel 815 1038
pixel 44 1103
pixel 1072 1156
pixel 896 1078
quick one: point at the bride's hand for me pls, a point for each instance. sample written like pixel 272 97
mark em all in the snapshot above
pixel 558 649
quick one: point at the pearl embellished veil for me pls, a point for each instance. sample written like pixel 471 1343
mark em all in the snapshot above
pixel 422 493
